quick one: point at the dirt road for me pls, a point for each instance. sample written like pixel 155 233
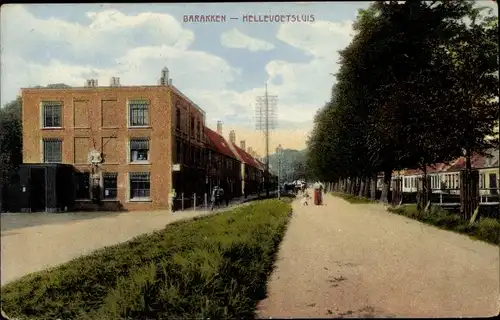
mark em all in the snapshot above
pixel 27 247
pixel 358 260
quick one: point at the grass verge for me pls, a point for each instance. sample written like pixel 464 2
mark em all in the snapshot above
pixel 486 229
pixel 352 198
pixel 209 267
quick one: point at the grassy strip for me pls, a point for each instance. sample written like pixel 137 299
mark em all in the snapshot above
pixel 352 198
pixel 486 229
pixel 209 267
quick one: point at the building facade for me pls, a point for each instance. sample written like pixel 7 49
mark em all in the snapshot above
pixel 223 167
pixel 134 135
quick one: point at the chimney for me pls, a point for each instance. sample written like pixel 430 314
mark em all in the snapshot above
pixel 249 151
pixel 91 83
pixel 115 82
pixel 164 79
pixel 95 83
pixel 243 144
pixel 232 137
pixel 219 127
pixel 169 82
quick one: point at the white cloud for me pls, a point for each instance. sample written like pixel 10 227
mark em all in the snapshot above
pixel 236 39
pixel 136 47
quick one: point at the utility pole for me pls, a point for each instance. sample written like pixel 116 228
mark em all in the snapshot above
pixel 279 154
pixel 267 143
pixel 266 121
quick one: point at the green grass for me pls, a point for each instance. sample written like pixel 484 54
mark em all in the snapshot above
pixel 209 267
pixel 486 229
pixel 352 198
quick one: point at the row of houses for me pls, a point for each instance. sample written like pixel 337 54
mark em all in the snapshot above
pixel 139 147
pixel 445 177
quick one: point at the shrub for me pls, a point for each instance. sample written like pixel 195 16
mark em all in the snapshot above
pixel 212 266
pixel 486 229
pixel 352 198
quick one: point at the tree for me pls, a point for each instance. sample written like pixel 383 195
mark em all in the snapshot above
pixel 10 142
pixel 395 100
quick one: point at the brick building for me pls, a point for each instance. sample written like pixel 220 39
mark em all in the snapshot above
pixel 223 166
pixel 251 171
pixel 141 133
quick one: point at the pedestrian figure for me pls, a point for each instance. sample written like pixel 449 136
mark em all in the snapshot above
pixel 305 198
pixel 215 199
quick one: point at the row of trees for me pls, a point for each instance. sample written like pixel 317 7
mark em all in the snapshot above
pixel 417 85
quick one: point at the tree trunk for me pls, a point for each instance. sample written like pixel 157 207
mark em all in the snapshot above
pixel 361 188
pixel 367 187
pixel 373 187
pixel 386 186
pixel 468 183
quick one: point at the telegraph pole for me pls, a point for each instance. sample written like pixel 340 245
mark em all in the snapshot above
pixel 266 121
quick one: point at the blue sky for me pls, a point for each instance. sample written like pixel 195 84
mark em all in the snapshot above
pixel 223 66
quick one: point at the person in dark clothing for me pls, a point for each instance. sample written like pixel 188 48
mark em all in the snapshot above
pixel 215 198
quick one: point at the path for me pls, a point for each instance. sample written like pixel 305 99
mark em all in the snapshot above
pixel 358 260
pixel 56 240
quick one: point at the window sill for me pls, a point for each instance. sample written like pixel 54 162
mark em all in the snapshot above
pixel 139 127
pixel 83 200
pixel 139 162
pixel 140 200
pixel 113 127
pixel 52 128
pixel 84 128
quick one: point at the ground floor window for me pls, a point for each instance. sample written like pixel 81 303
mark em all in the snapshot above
pixel 110 184
pixel 140 185
pixel 52 150
pixel 82 185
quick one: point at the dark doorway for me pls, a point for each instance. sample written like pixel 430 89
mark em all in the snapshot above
pixel 493 183
pixel 37 194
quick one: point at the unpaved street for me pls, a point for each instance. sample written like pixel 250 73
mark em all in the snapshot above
pixel 52 239
pixel 358 260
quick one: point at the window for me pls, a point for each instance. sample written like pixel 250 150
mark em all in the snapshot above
pixel 138 113
pixel 178 118
pixel 52 114
pixel 110 184
pixel 139 185
pixel 82 185
pixel 139 149
pixel 192 127
pixel 482 181
pixel 178 151
pixel 199 130
pixel 52 150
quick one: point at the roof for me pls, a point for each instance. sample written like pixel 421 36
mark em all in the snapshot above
pixel 247 158
pixel 218 143
pixel 261 164
pixel 122 87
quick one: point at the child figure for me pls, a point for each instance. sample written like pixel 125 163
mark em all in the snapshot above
pixel 305 198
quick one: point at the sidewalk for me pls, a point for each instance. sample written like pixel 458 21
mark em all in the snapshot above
pixel 358 260
pixel 234 202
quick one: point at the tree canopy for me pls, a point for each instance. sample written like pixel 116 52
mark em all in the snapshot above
pixel 417 85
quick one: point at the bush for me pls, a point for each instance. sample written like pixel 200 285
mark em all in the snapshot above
pixel 486 229
pixel 213 266
pixel 352 198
